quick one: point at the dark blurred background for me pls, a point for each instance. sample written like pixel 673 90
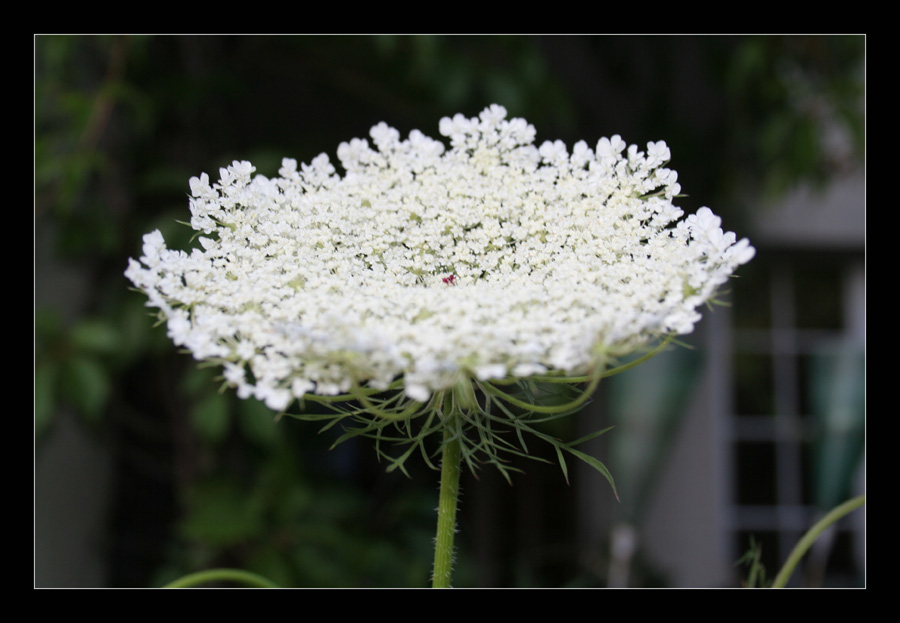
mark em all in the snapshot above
pixel 144 471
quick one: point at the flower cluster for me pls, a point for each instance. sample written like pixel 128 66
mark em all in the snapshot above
pixel 422 266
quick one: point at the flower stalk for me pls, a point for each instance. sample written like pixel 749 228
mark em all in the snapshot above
pixel 447 505
pixel 235 576
pixel 810 537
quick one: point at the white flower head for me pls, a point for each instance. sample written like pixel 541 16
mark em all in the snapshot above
pixel 422 265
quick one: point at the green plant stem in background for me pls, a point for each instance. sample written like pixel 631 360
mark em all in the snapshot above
pixel 449 497
pixel 222 575
pixel 810 537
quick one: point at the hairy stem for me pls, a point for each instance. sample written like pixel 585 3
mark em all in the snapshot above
pixel 449 496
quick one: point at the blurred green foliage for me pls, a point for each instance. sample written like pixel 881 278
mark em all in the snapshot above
pixel 799 104
pixel 122 123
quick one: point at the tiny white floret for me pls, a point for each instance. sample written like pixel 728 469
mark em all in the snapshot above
pixel 423 264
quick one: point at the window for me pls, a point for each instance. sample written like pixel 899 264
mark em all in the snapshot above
pixel 797 431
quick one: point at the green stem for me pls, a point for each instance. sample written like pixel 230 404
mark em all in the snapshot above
pixel 810 537
pixel 449 496
pixel 222 575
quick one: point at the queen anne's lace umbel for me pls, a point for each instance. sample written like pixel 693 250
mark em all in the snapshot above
pixel 492 259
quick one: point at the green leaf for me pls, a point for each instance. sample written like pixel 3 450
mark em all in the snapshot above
pixel 197 381
pixel 47 325
pixel 221 514
pixel 85 384
pixel 586 438
pixel 209 418
pixel 95 336
pixel 562 462
pixel 596 464
pixel 257 422
pixel 272 562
